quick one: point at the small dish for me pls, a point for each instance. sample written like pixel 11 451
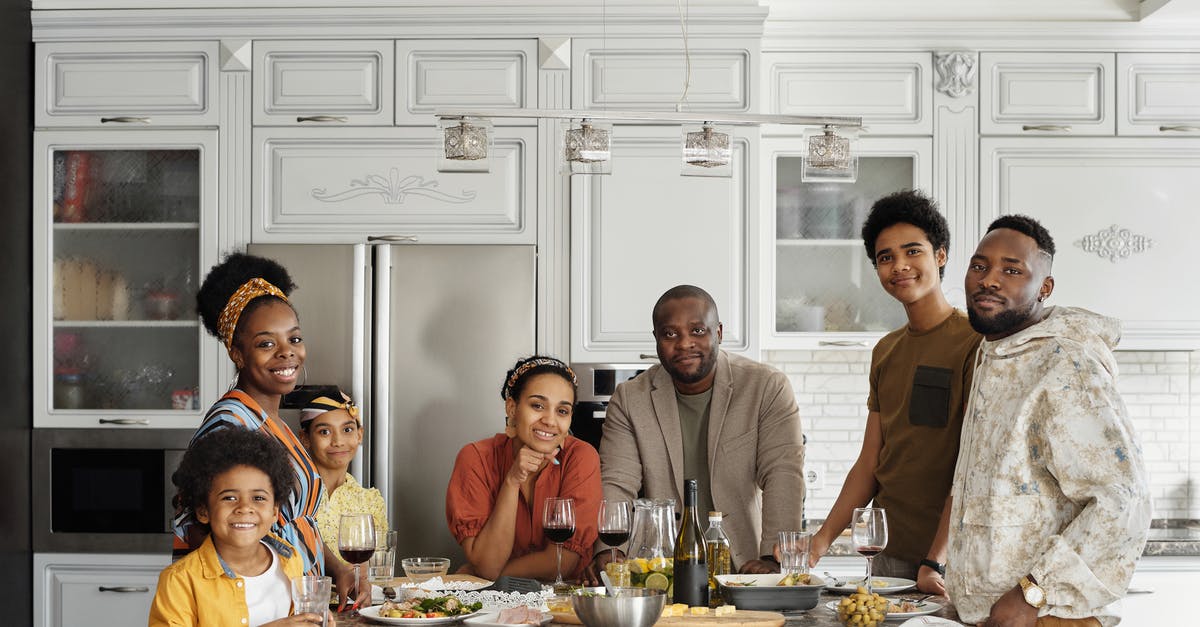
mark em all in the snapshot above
pixel 763 592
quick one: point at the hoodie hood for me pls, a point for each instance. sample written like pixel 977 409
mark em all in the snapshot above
pixel 1094 333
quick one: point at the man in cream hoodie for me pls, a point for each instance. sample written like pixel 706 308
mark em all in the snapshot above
pixel 1050 499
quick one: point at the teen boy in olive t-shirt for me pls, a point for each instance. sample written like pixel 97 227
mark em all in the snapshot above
pixel 920 376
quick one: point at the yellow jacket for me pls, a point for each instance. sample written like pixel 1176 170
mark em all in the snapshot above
pixel 200 590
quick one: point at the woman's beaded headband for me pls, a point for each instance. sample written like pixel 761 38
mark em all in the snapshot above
pixel 249 290
pixel 534 363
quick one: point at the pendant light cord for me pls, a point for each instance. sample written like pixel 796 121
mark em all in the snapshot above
pixel 687 57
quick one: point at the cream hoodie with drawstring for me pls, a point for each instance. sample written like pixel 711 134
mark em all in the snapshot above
pixel 1050 479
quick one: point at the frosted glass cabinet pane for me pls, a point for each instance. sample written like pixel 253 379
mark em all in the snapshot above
pixel 824 281
pixel 125 242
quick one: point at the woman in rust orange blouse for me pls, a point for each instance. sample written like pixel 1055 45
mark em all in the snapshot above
pixel 498 486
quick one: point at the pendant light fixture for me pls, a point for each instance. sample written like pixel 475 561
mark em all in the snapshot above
pixel 828 157
pixel 706 151
pixel 466 144
pixel 587 148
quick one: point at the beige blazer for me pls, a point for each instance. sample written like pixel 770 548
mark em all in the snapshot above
pixel 755 452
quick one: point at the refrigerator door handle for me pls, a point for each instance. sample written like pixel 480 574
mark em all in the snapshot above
pixel 358 351
pixel 402 239
pixel 381 375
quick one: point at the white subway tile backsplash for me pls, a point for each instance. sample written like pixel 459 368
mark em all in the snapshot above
pixel 1161 392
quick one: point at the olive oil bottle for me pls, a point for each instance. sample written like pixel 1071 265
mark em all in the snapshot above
pixel 691 559
pixel 720 560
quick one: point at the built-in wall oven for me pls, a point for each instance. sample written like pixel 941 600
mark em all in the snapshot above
pixel 597 382
pixel 104 490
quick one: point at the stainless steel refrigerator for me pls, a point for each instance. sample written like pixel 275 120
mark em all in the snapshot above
pixel 421 336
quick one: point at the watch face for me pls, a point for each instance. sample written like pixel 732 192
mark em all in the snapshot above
pixel 1035 596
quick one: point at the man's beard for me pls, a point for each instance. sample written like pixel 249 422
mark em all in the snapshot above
pixel 707 363
pixel 1000 324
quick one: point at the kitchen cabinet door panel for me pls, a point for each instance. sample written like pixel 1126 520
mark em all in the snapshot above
pixel 1022 93
pixel 1121 212
pixel 480 74
pixel 650 76
pixel 328 82
pixel 343 185
pixel 89 589
pixel 645 229
pixel 1160 94
pixel 94 83
pixel 892 92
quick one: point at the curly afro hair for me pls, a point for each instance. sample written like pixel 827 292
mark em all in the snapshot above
pixel 907 207
pixel 221 450
pixel 226 277
pixel 1028 226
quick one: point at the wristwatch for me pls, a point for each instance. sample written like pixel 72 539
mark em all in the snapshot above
pixel 1034 594
pixel 938 567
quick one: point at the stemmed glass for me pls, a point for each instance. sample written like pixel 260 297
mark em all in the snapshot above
pixel 869 534
pixel 356 543
pixel 614 525
pixel 558 523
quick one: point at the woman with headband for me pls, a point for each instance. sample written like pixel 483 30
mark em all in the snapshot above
pixel 498 485
pixel 331 430
pixel 243 302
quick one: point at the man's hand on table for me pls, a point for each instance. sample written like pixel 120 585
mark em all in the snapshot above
pixel 758 567
pixel 930 582
pixel 1011 610
pixel 591 574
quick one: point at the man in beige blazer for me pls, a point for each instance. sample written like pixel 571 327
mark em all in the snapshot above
pixel 727 421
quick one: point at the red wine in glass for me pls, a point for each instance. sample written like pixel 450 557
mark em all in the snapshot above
pixel 356 556
pixel 615 537
pixel 558 535
pixel 869 551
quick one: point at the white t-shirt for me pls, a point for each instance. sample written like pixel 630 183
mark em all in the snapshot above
pixel 269 595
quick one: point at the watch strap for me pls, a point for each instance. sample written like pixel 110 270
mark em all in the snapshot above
pixel 937 566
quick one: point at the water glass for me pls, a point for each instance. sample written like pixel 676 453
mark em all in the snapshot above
pixel 310 595
pixel 381 568
pixel 793 551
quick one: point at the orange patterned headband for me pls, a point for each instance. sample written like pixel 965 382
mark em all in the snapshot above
pixel 233 309
pixel 534 363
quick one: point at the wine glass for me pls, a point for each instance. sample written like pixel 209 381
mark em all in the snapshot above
pixel 356 543
pixel 558 523
pixel 869 534
pixel 614 526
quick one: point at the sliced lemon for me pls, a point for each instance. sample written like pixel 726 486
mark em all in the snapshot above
pixel 660 564
pixel 657 581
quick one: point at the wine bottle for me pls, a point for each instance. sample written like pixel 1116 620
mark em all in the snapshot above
pixel 691 561
pixel 720 560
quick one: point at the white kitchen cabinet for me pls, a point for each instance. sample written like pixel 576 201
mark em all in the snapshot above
pixel 342 185
pixel 644 229
pixel 465 74
pixel 1121 211
pixel 339 83
pixel 94 589
pixel 1158 94
pixel 1159 591
pixel 124 225
pixel 891 91
pixel 160 83
pixel 819 288
pixel 1035 93
pixel 648 75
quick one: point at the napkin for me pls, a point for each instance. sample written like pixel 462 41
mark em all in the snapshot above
pixel 928 621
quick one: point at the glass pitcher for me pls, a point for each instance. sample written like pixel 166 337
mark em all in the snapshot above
pixel 652 544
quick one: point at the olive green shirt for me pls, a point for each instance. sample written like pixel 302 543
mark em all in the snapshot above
pixel 693 422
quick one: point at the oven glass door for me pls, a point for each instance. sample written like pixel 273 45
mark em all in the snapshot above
pixel 108 490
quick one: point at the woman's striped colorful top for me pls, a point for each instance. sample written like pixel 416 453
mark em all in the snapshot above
pixel 297 516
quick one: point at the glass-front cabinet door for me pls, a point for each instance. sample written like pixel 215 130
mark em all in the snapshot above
pixel 124 230
pixel 822 289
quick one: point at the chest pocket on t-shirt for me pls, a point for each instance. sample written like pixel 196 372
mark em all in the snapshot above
pixel 929 405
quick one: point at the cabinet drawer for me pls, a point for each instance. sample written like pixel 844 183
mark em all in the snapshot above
pixel 478 74
pixel 342 185
pixel 1159 94
pixel 335 83
pixel 650 77
pixel 1046 94
pixel 893 92
pixel 89 589
pixel 88 84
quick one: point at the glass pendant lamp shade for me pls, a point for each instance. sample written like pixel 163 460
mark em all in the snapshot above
pixel 706 151
pixel 587 148
pixel 828 158
pixel 466 145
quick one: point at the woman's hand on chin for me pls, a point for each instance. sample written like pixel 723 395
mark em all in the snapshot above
pixel 527 464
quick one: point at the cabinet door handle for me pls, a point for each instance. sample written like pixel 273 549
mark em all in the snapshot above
pixel 124 589
pixel 1047 127
pixel 862 343
pixel 1183 128
pixel 392 238
pixel 322 118
pixel 648 356
pixel 125 119
pixel 125 421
